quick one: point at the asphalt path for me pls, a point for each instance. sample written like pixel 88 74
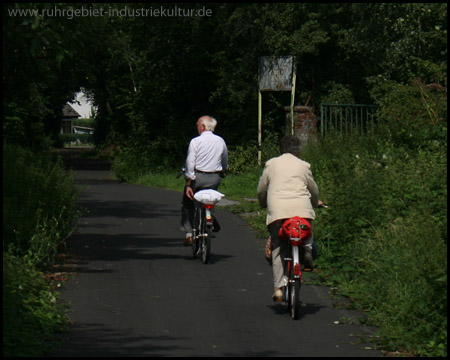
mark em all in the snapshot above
pixel 138 291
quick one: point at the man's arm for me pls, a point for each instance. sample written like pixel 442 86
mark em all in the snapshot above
pixel 224 158
pixel 190 161
pixel 263 186
pixel 313 188
pixel 190 171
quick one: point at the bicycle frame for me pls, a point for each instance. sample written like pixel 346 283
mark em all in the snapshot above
pixel 295 248
pixel 203 216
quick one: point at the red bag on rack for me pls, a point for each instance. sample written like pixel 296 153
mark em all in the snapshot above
pixel 295 227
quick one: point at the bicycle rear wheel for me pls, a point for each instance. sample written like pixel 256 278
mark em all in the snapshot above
pixel 287 298
pixel 294 301
pixel 206 244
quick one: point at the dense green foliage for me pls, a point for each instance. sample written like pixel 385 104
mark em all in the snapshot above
pixel 39 76
pixel 340 55
pixel 38 213
pixel 38 203
pixel 152 76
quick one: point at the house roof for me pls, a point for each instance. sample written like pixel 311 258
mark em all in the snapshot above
pixel 69 112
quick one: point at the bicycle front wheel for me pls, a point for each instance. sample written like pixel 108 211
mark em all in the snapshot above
pixel 196 232
pixel 195 246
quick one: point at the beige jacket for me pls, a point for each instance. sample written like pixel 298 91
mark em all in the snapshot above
pixel 287 188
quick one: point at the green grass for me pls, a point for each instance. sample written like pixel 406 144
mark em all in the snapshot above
pixel 237 187
pixel 167 180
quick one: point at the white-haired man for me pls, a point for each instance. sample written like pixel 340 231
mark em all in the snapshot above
pixel 206 162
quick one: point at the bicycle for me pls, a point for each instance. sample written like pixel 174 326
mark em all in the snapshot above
pixel 298 232
pixel 202 232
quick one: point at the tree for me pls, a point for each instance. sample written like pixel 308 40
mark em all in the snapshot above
pixel 38 76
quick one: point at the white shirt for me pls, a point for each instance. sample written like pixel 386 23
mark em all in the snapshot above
pixel 207 152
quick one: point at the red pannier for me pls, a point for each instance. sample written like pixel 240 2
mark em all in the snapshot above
pixel 295 228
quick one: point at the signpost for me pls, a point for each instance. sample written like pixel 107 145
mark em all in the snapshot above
pixel 275 74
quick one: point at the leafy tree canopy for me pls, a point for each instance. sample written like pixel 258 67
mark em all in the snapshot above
pixel 152 76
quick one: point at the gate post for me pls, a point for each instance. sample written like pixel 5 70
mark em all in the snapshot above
pixel 305 123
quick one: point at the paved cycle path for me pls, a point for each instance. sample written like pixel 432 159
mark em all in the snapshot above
pixel 139 292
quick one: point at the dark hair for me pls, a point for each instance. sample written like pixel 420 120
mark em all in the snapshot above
pixel 290 144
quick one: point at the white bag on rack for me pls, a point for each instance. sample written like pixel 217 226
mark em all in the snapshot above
pixel 208 196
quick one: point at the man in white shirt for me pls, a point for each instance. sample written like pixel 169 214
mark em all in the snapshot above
pixel 206 161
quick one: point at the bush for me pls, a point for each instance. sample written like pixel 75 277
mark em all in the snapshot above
pixel 31 314
pixel 38 204
pixel 134 159
pixel 38 211
pixel 244 158
pixel 130 163
pixel 412 115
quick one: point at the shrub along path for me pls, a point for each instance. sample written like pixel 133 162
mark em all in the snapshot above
pixel 138 291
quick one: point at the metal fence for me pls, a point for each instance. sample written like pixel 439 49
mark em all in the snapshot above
pixel 347 118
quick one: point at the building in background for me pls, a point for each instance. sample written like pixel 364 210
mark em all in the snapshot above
pixel 69 114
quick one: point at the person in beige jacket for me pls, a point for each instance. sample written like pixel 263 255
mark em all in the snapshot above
pixel 287 188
